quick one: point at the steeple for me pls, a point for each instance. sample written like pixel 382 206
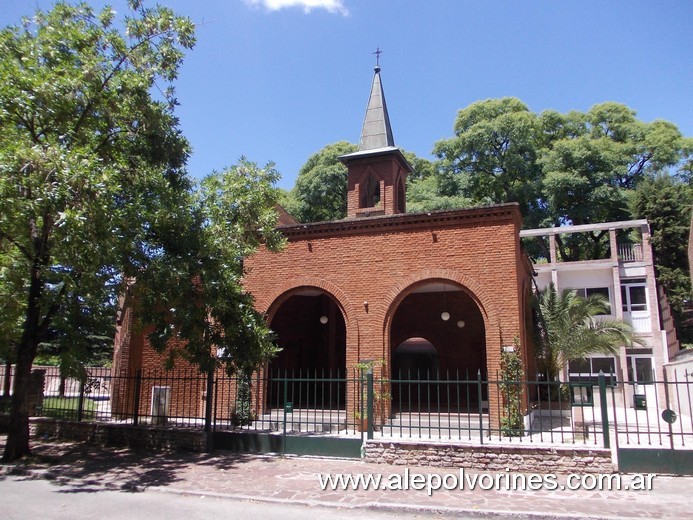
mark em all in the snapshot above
pixel 378 170
pixel 376 131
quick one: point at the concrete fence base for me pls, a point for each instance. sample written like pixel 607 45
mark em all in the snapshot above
pixel 144 437
pixel 492 458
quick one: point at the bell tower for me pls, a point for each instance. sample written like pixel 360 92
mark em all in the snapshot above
pixel 377 179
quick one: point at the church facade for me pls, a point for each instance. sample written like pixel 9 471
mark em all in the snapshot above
pixel 416 294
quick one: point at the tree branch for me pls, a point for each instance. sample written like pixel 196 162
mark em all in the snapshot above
pixel 25 252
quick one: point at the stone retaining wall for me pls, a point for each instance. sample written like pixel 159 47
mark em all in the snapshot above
pixel 492 458
pixel 144 437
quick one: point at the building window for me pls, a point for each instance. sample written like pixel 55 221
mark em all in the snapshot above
pixel 587 370
pixel 634 295
pixel 401 196
pixel 370 192
pixel 585 292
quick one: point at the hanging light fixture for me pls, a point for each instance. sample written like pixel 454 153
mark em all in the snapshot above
pixel 445 315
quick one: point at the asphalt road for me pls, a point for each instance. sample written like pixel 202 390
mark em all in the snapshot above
pixel 24 499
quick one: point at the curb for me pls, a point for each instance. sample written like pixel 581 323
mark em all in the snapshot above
pixel 390 507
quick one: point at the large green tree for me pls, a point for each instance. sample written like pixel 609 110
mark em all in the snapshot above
pixel 495 149
pixel 320 192
pixel 666 202
pixel 574 168
pixel 198 274
pixel 90 161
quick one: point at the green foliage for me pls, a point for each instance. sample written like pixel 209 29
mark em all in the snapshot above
pixel 577 168
pixel 86 156
pixel 90 163
pixel 436 192
pixel 667 203
pixel 320 192
pixel 495 150
pixel 568 329
pixel 242 413
pixel 12 302
pixel 68 408
pixel 511 377
pixel 199 272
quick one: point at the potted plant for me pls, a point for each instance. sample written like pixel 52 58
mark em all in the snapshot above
pixel 380 396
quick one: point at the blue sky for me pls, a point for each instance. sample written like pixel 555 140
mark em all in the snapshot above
pixel 279 79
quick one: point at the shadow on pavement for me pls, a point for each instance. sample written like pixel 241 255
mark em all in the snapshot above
pixel 82 468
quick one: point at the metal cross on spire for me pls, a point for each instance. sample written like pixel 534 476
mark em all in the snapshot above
pixel 377 53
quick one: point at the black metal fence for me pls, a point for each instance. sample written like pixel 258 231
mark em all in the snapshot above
pixel 416 406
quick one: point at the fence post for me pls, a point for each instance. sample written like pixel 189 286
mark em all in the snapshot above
pixel 479 399
pixel 369 401
pixel 668 405
pixel 208 400
pixel 80 405
pixel 605 410
pixel 286 393
pixel 138 389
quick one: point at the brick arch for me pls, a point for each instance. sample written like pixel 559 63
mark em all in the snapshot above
pixel 404 287
pixel 273 300
pixel 400 193
pixel 369 171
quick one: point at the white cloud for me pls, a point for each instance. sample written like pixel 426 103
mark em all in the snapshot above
pixel 332 6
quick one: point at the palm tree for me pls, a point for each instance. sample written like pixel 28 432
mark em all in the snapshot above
pixel 568 329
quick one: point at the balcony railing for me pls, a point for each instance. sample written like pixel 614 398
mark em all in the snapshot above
pixel 630 252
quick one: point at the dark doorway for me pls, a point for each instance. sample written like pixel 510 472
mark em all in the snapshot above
pixel 311 332
pixel 438 342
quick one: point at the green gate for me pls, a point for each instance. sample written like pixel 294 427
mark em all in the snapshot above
pixel 289 414
pixel 656 437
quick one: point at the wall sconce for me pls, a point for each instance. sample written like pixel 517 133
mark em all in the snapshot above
pixel 323 319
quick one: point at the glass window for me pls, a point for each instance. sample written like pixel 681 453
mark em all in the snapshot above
pixel 370 193
pixel 592 365
pixel 605 364
pixel 638 299
pixel 579 366
pixel 603 291
pixel 643 370
pixel 634 298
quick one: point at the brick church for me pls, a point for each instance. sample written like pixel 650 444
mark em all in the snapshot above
pixel 418 293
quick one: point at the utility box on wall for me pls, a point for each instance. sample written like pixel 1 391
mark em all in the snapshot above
pixel 161 399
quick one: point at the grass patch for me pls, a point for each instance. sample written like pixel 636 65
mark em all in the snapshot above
pixel 67 408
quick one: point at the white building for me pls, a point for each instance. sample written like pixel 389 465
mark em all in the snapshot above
pixel 625 275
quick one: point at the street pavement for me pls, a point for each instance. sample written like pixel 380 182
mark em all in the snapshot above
pixel 294 481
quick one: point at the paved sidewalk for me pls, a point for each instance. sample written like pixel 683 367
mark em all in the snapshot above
pixel 293 480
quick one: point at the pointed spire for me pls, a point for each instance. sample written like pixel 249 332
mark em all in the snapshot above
pixel 376 132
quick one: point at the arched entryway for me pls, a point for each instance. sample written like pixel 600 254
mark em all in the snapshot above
pixel 311 332
pixel 437 335
pixel 415 358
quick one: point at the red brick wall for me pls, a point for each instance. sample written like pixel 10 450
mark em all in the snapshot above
pixel 371 265
pixel 389 170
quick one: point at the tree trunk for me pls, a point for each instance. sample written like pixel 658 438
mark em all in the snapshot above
pixel 8 378
pixel 17 445
pixel 18 432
